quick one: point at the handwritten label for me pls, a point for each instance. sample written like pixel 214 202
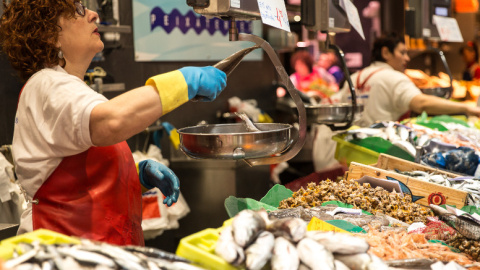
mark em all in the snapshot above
pixel 353 17
pixel 235 3
pixel 448 29
pixel 274 13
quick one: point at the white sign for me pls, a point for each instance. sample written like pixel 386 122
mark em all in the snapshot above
pixel 353 17
pixel 235 3
pixel 274 13
pixel 448 29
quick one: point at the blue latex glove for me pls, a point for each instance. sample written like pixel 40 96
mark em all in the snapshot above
pixel 153 174
pixel 204 82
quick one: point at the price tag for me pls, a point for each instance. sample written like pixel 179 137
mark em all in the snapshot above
pixel 448 29
pixel 274 13
pixel 353 17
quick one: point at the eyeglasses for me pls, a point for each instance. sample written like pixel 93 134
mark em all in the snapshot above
pixel 80 8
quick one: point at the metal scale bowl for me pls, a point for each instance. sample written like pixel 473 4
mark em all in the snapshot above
pixel 443 92
pixel 274 143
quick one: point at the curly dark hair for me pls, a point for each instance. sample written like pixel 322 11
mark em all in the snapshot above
pixel 305 57
pixel 29 33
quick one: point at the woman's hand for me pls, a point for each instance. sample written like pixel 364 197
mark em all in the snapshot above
pixel 154 174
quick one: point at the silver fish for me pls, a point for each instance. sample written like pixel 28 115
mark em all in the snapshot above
pixel 362 261
pixel 464 225
pixel 246 226
pixel 156 253
pixel 86 256
pixel 260 251
pixel 285 255
pixel 247 122
pixel 410 263
pixel 21 259
pixel 340 243
pixel 315 255
pixel 293 229
pixel 228 249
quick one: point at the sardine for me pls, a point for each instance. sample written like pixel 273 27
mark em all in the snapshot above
pixel 246 226
pixel 464 225
pixel 247 122
pixel 315 255
pixel 86 256
pixel 340 243
pixel 21 259
pixel 258 253
pixel 228 249
pixel 285 255
pixel 293 229
pixel 156 253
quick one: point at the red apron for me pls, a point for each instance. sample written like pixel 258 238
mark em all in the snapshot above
pixel 95 195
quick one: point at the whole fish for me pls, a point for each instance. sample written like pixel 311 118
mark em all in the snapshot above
pixel 285 255
pixel 315 255
pixel 340 243
pixel 228 249
pixel 464 225
pixel 247 122
pixel 22 258
pixel 410 263
pixel 258 253
pixel 156 253
pixel 362 261
pixel 293 229
pixel 86 256
pixel 246 226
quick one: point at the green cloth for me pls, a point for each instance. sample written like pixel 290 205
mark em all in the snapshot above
pixel 276 194
pixel 235 205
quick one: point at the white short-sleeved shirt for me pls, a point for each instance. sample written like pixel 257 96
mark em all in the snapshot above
pixel 387 93
pixel 52 122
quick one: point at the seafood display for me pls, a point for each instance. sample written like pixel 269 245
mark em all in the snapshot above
pixel 286 244
pixel 373 200
pixel 400 245
pixel 465 225
pixel 466 246
pixel 93 255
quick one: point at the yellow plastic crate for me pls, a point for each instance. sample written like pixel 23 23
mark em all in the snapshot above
pixel 42 236
pixel 200 249
pixel 347 152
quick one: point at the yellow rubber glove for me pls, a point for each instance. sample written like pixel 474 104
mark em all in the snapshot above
pixel 179 86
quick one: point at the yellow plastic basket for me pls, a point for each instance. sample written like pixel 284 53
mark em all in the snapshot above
pixel 347 152
pixel 43 236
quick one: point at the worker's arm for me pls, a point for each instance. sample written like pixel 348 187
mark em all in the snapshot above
pixel 122 117
pixel 433 105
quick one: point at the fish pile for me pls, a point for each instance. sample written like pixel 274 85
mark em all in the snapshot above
pixel 464 224
pixel 254 241
pixel 373 200
pixel 400 245
pixel 93 255
pixel 466 184
pixel 378 222
pixel 467 246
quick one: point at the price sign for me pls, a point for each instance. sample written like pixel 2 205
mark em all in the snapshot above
pixel 274 13
pixel 353 17
pixel 448 29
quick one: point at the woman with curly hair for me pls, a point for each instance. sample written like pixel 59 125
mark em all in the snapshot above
pixel 69 145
